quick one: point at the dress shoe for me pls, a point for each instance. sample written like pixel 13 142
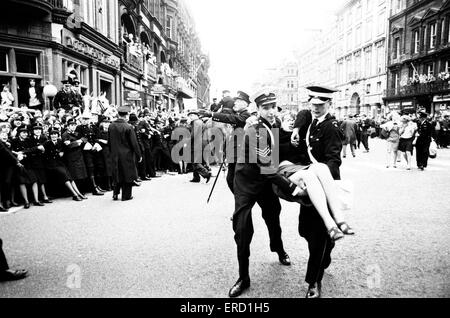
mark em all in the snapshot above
pixel 314 291
pixel 284 259
pixel 139 180
pixel 77 198
pixel 2 209
pixel 127 199
pixel 239 287
pixel 98 193
pixel 47 201
pixel 195 181
pixel 208 177
pixel 9 275
pixel 83 197
pixel 136 183
pixel 100 189
pixel 146 179
pixel 14 204
pixel 37 203
pixel 115 197
pixel 26 205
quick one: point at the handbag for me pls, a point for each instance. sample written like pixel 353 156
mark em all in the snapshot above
pixel 433 149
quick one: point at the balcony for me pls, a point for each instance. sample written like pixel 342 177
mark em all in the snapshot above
pixel 151 71
pixel 412 90
pixel 183 88
pixel 59 10
pixel 134 61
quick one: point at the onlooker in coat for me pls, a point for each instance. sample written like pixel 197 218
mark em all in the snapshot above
pixel 26 175
pixel 54 152
pixel 73 153
pixel 348 127
pixel 124 149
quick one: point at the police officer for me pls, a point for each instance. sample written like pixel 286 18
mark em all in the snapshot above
pixel 65 98
pixel 425 131
pixel 237 119
pixel 252 186
pixel 324 139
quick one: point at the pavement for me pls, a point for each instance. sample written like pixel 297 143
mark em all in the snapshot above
pixel 168 242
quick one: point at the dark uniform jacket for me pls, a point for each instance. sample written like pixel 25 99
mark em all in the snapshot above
pixel 325 141
pixel 238 121
pixel 227 104
pixel 51 155
pixel 65 100
pixel 425 132
pixel 7 158
pixel 252 177
pixel 73 155
pixel 36 156
pixel 124 150
pixel 25 147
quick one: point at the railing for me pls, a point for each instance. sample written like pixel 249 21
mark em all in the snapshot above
pixel 420 89
pixel 135 61
pixel 151 71
pixel 62 4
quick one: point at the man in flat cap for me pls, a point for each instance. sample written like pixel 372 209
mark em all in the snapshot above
pixel 227 102
pixel 237 120
pixel 124 148
pixel 197 160
pixel 252 186
pixel 324 144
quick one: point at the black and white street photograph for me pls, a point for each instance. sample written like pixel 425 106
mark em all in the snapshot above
pixel 232 155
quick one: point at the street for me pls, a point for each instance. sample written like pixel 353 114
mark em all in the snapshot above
pixel 168 242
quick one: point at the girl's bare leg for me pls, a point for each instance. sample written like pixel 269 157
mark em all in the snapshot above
pixel 331 190
pixel 316 195
pixel 69 186
pixel 23 191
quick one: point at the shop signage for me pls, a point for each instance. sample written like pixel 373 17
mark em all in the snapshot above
pixel 158 89
pixel 132 96
pixel 394 106
pixel 92 52
pixel 442 98
pixel 132 85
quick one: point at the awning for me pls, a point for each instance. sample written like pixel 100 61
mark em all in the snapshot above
pixel 183 94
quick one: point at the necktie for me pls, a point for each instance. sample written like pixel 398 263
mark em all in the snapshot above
pixel 314 123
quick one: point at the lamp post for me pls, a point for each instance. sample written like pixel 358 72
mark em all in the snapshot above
pixel 50 92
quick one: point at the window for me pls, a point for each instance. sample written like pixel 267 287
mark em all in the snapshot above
pixel 368 89
pixel 378 87
pixel 396 48
pixel 416 42
pixel 433 37
pixel 368 61
pixel 381 23
pixel 395 81
pixel 169 27
pixel 369 29
pixel 358 35
pixel 430 69
pixel 27 63
pixel 3 62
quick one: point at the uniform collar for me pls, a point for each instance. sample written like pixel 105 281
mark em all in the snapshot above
pixel 322 118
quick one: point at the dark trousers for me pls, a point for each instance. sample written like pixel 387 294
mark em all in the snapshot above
pixel 3 263
pixel 149 163
pixel 311 227
pixel 199 170
pixel 243 225
pixel 230 176
pixel 126 189
pixel 422 153
pixel 365 140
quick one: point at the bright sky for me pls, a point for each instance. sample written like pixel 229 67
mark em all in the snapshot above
pixel 243 37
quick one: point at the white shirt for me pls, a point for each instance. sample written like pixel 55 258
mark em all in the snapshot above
pixel 321 118
pixel 34 101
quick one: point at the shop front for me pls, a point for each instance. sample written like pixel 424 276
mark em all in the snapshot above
pixel 441 104
pixel 133 94
pixel 96 67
